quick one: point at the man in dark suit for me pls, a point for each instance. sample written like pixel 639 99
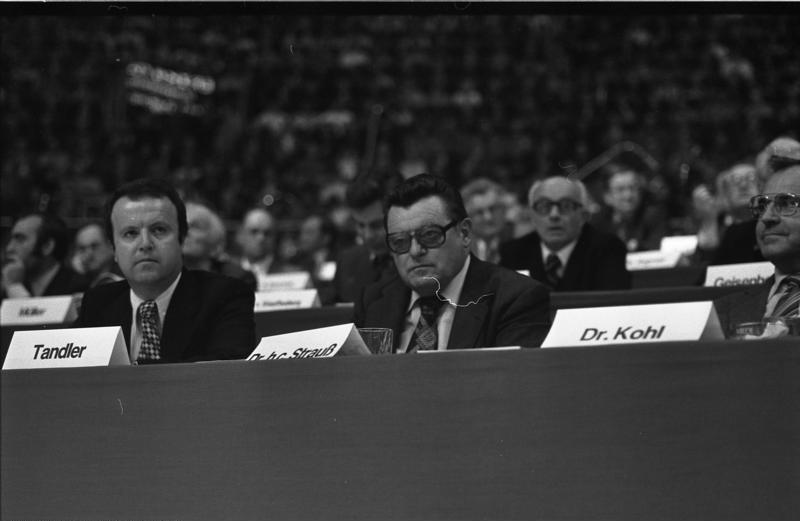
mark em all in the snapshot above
pixel 777 209
pixel 167 313
pixel 33 263
pixel 369 260
pixel 442 297
pixel 565 252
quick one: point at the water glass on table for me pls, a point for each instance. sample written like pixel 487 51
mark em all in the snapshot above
pixel 378 339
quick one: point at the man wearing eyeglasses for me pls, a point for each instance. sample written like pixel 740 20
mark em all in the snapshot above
pixel 565 252
pixel 442 296
pixel 777 302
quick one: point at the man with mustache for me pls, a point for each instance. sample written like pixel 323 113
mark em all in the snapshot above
pixel 167 313
pixel 443 297
pixel 565 252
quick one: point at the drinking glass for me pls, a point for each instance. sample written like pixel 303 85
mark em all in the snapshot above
pixel 377 339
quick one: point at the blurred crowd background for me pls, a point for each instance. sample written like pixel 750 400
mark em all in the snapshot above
pixel 302 104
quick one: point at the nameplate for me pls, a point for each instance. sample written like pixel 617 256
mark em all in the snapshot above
pixel 284 281
pixel 744 274
pixel 324 342
pixel 634 324
pixel 651 260
pixel 683 244
pixel 83 347
pixel 527 273
pixel 276 300
pixel 37 310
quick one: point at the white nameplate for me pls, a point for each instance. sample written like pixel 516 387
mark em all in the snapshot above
pixel 83 347
pixel 629 324
pixel 652 259
pixel 284 281
pixel 742 274
pixel 275 300
pixel 37 310
pixel 323 342
pixel 683 244
pixel 527 273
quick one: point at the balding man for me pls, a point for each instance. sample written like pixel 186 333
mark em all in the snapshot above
pixel 566 252
pixel 257 239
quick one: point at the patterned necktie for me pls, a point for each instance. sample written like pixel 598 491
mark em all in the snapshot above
pixel 147 318
pixel 789 301
pixel 426 336
pixel 551 266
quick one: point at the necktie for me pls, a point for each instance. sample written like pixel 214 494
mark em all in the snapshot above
pixel 551 265
pixel 147 317
pixel 426 336
pixel 789 300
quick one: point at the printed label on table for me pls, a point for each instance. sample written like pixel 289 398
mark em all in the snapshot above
pixel 277 300
pixel 82 347
pixel 651 260
pixel 37 310
pixel 284 281
pixel 744 274
pixel 323 342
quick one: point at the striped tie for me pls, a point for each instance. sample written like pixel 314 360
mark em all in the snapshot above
pixel 789 302
pixel 147 317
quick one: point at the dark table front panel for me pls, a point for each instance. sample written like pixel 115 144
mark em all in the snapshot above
pixel 676 431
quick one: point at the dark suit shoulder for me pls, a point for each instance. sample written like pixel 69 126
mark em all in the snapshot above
pixel 516 253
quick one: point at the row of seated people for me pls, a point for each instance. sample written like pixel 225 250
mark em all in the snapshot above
pixel 436 294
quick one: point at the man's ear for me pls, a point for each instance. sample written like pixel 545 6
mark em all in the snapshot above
pixel 47 247
pixel 465 229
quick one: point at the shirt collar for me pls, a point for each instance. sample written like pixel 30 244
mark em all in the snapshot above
pixel 162 301
pixel 563 254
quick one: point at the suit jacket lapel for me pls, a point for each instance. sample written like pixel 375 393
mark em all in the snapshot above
pixel 182 307
pixel 122 314
pixel 469 319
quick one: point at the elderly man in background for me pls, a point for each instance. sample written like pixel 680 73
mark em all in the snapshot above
pixel 566 252
pixel 257 240
pixel 484 201
pixel 33 261
pixel 204 246
pixel 442 296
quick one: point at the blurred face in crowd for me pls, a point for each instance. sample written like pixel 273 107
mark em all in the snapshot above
pixel 369 227
pixel 23 247
pixel 558 213
pixel 205 236
pixel 778 227
pixel 487 213
pixel 421 267
pixel 146 243
pixel 737 186
pixel 624 192
pixel 310 238
pixel 257 236
pixel 95 254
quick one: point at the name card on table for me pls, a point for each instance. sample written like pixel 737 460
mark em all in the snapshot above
pixel 284 281
pixel 651 260
pixel 83 347
pixel 683 244
pixel 327 271
pixel 323 342
pixel 37 310
pixel 629 324
pixel 275 300
pixel 742 274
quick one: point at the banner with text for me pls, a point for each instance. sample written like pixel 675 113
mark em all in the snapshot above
pixel 323 342
pixel 744 274
pixel 82 347
pixel 37 310
pixel 629 324
pixel 277 300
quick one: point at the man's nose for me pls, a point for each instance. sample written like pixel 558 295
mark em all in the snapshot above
pixel 416 248
pixel 146 240
pixel 770 213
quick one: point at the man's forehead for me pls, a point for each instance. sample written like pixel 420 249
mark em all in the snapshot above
pixel 556 189
pixel 29 224
pixel 144 207
pixel 90 234
pixel 787 180
pixel 482 200
pixel 430 210
pixel 257 220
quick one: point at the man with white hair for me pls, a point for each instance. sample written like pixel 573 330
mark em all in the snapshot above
pixel 565 251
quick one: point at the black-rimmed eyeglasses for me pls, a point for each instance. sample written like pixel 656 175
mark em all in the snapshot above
pixel 428 236
pixel 565 206
pixel 784 204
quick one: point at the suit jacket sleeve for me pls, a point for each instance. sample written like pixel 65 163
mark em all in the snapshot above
pixel 610 265
pixel 525 321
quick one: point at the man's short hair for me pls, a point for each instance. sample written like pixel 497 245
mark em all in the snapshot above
pixel 52 227
pixel 583 193
pixel 421 186
pixel 608 172
pixel 480 186
pixel 141 188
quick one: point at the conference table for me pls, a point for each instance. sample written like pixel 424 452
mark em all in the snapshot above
pixel 668 431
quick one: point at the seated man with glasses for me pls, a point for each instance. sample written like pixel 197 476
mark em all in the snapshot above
pixel 776 303
pixel 442 297
pixel 565 252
